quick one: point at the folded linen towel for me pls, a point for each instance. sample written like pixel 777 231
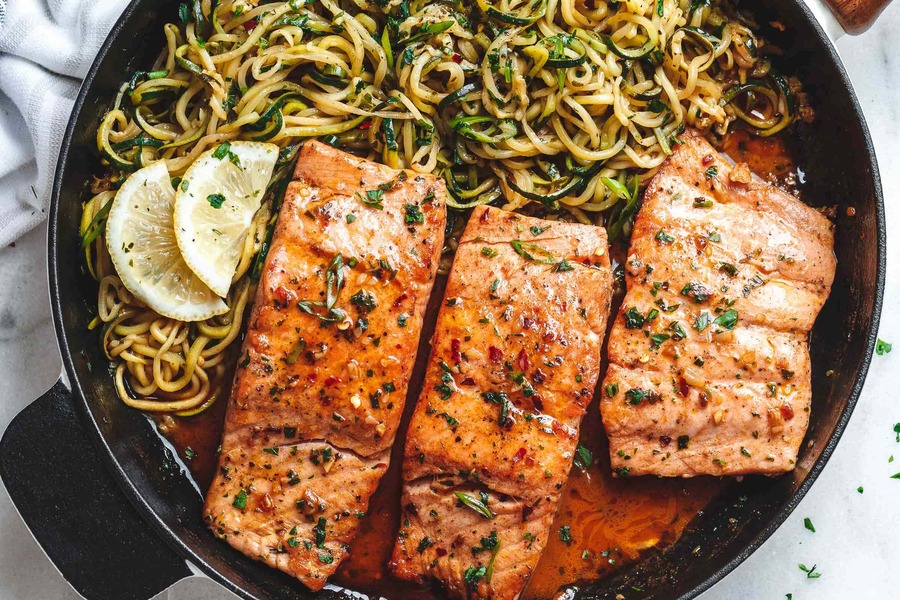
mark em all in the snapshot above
pixel 46 48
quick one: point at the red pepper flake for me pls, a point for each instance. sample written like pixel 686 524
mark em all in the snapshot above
pixel 365 125
pixel 664 440
pixel 526 511
pixel 522 361
pixel 440 552
pixel 539 376
pixel 519 455
pixel 527 322
pixel 400 300
pixel 708 160
pixel 457 58
pixel 683 388
pixel 312 377
pixel 250 25
pixel 468 381
pixel 495 354
pixel 787 413
pixel 332 381
pixel 455 354
pixel 538 402
pixel 484 217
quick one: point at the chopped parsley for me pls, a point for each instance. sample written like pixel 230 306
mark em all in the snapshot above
pixel 424 545
pixel 473 574
pixel 240 500
pixel 503 400
pixel 536 231
pixel 727 320
pixel 656 339
pixel 216 200
pixel 413 214
pixel 882 347
pixel 664 238
pixel 372 199
pixel 364 301
pixel 565 534
pixel 728 268
pixel 223 151
pixel 696 292
pixel 562 266
pixel 633 318
pixel 489 252
pixel 702 321
pixel 319 531
pixel 807 522
pixel 444 387
pixel 811 572
pixel 583 457
pixel 637 395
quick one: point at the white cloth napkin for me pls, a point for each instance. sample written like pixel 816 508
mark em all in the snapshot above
pixel 46 48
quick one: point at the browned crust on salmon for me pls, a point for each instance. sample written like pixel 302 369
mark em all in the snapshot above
pixel 709 362
pixel 324 370
pixel 515 359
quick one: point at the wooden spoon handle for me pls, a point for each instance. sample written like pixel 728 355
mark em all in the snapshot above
pixel 855 16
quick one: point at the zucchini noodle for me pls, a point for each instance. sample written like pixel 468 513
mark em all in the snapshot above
pixel 559 107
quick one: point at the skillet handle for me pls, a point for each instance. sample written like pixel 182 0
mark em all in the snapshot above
pixel 74 509
pixel 855 16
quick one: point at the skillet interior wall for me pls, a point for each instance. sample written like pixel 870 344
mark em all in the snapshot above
pixel 835 155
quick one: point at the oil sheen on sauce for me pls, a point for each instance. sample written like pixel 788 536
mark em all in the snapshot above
pixel 612 521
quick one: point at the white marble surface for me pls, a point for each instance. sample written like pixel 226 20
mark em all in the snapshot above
pixel 857 541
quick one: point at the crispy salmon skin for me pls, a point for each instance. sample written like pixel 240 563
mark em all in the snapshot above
pixel 324 370
pixel 709 362
pixel 514 362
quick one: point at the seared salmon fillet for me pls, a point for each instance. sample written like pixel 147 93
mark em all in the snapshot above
pixel 322 379
pixel 709 362
pixel 515 358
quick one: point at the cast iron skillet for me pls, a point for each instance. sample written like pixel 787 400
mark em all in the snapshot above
pixel 114 510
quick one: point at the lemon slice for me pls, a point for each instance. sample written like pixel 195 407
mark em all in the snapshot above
pixel 140 237
pixel 215 204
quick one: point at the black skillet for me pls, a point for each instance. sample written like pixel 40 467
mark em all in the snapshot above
pixel 115 511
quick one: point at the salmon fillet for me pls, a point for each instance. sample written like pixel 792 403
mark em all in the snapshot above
pixel 324 370
pixel 709 362
pixel 514 362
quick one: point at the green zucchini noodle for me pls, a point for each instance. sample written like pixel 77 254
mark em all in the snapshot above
pixel 559 107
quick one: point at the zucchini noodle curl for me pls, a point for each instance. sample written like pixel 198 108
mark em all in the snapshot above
pixel 558 107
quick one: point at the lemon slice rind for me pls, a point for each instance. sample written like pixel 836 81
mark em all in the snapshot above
pixel 215 205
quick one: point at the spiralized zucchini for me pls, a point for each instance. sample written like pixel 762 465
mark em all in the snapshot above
pixel 560 106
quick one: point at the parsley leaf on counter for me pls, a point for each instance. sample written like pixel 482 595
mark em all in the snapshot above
pixel 811 572
pixel 882 347
pixel 807 522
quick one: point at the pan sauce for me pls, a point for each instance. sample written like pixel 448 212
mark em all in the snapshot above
pixel 612 521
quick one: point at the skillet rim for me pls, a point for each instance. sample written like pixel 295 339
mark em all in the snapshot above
pixel 173 541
